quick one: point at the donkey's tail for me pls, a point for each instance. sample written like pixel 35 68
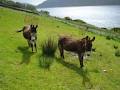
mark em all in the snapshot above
pixel 60 45
pixel 19 31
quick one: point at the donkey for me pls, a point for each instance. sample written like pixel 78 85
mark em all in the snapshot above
pixel 76 46
pixel 30 34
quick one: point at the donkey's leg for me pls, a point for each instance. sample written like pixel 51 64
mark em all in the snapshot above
pixel 32 47
pixel 81 59
pixel 35 46
pixel 61 51
pixel 29 43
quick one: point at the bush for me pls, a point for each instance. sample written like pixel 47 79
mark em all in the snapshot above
pixel 67 18
pixel 108 37
pixel 78 20
pixel 115 47
pixel 49 48
pixel 117 53
pixel 44 13
pixel 117 29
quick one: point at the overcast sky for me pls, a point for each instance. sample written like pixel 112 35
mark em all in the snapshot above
pixel 34 2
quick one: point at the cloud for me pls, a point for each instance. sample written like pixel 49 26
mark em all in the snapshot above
pixel 34 2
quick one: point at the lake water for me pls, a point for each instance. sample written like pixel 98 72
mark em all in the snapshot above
pixel 101 16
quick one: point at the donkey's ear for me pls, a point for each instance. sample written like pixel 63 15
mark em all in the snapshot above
pixel 87 37
pixel 36 26
pixel 31 25
pixel 93 39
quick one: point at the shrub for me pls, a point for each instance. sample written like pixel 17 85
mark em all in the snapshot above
pixel 49 48
pixel 108 37
pixel 115 47
pixel 117 53
pixel 44 13
pixel 117 29
pixel 78 20
pixel 67 18
pixel 104 28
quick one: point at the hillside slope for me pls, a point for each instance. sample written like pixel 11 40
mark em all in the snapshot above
pixel 20 69
pixel 69 3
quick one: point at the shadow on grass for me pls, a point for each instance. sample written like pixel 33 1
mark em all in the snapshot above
pixel 45 61
pixel 26 54
pixel 82 72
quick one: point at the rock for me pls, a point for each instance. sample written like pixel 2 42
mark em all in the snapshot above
pixel 104 70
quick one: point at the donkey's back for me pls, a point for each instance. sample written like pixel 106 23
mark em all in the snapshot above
pixel 68 43
pixel 27 32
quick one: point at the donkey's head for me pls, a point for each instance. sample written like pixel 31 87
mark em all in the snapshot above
pixel 33 31
pixel 33 28
pixel 88 43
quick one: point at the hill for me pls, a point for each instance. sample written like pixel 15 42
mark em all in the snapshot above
pixel 20 69
pixel 69 3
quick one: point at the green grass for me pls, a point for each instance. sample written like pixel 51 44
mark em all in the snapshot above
pixel 20 69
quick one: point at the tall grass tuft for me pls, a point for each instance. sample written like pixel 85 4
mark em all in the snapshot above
pixel 45 62
pixel 115 47
pixel 117 53
pixel 49 48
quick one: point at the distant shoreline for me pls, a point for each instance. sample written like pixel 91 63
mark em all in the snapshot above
pixel 77 6
pixel 73 6
pixel 99 16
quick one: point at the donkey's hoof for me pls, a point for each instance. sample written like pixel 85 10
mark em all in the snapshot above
pixel 33 52
pixel 81 66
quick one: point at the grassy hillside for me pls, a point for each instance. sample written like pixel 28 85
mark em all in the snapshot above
pixel 21 70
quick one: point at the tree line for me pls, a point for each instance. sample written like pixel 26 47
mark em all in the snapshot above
pixel 18 5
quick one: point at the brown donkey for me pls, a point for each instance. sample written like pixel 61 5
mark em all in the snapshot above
pixel 30 33
pixel 76 46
